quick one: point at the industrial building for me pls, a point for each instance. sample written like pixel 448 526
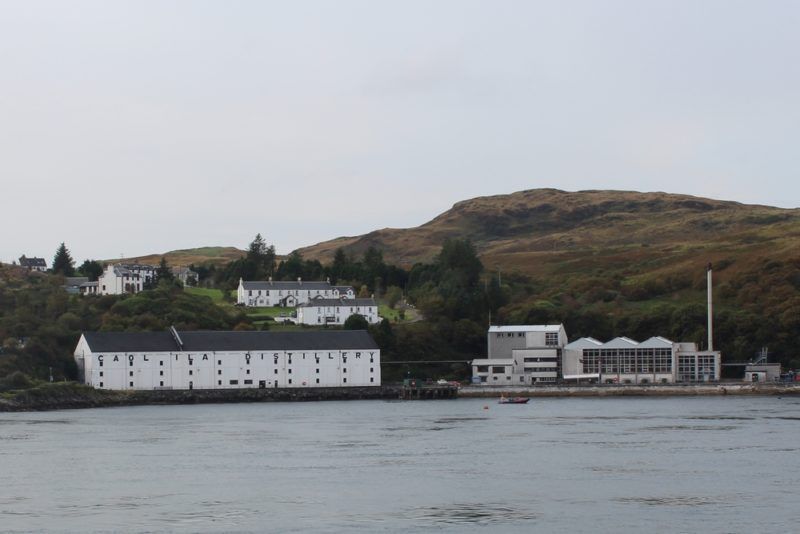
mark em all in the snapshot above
pixel 521 355
pixel 227 360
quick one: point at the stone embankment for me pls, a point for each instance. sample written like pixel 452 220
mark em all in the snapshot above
pixel 651 390
pixel 71 396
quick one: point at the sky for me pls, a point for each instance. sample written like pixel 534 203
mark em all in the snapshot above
pixel 129 128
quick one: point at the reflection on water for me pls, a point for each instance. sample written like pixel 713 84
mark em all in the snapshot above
pixel 569 465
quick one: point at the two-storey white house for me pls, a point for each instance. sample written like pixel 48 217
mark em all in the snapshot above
pixel 228 360
pixel 288 293
pixel 117 280
pixel 521 355
pixel 322 311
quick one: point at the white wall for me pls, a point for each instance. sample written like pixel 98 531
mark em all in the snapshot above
pixel 216 370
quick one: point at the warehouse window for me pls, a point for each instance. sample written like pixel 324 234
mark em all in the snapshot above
pixel 248 382
pixel 219 362
pixel 162 382
pixel 219 382
pixel 371 379
pixel 191 372
pixel 101 364
pixel 344 370
pixel 317 371
pixel 131 384
pixel 130 363
pixel 161 373
pixel 290 371
pixel 276 371
pixel 290 380
pixel 101 374
pixel 371 370
pixel 344 381
pixel 219 372
pixel 161 362
pixel 317 381
pixel 248 371
pixel 234 382
pixel 101 384
pixel 131 373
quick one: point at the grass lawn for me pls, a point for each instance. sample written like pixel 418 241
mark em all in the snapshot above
pixel 394 315
pixel 215 294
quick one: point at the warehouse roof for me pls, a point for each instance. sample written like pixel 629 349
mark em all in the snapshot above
pixel 527 328
pixel 198 341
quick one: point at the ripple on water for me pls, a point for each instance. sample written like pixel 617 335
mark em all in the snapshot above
pixel 676 500
pixel 471 513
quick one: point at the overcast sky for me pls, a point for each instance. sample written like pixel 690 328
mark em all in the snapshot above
pixel 141 127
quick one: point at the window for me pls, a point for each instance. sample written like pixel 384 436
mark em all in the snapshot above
pixel 101 364
pixel 101 384
pixel 371 370
pixel 483 368
pixel 248 371
pixel 317 371
pixel 247 382
pixel 276 371
pixel 161 363
pixel 234 382
pixel 317 380
pixel 219 371
pixel 551 339
pixel 498 369
pixel 290 371
pixel 131 384
pixel 191 372
pixel 130 363
pixel 101 374
pixel 344 380
pixel 371 379
pixel 219 362
pixel 290 380
pixel 219 382
pixel 131 373
pixel 344 370
pixel 161 373
pixel 162 382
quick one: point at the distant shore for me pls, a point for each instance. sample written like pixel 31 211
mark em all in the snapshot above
pixel 650 390
pixel 75 396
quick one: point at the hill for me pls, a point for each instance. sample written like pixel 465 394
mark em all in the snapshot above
pixel 542 231
pixel 197 256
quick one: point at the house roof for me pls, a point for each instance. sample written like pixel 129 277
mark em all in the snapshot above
pixel 198 341
pixel 344 288
pixel 527 328
pixel 656 342
pixel 76 281
pixel 32 262
pixel 318 302
pixel 285 284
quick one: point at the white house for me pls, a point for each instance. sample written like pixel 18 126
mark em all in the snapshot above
pixel 228 360
pixel 322 311
pixel 288 293
pixel 117 280
pixel 184 275
pixel 521 355
pixel 626 361
pixel 147 273
pixel 33 264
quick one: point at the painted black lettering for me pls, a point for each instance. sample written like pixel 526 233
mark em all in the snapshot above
pixel 116 358
pixel 205 356
pixel 100 358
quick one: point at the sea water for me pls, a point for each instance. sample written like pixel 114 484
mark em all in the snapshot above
pixel 702 464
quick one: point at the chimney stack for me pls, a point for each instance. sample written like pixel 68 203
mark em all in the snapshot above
pixel 710 311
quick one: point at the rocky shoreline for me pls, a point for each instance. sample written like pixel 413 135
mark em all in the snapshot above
pixel 651 390
pixel 75 396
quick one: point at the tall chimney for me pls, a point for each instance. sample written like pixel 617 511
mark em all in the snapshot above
pixel 710 311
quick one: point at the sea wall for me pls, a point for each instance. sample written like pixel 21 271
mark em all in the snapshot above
pixel 650 390
pixel 70 396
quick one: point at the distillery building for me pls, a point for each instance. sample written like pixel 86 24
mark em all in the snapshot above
pixel 226 360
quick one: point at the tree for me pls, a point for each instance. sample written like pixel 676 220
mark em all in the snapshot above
pixel 91 269
pixel 393 296
pixel 356 322
pixel 164 273
pixel 63 262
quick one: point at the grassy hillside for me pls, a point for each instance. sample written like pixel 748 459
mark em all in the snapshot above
pixel 203 255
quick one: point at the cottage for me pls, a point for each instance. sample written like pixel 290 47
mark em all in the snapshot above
pixel 322 311
pixel 288 293
pixel 227 360
pixel 118 280
pixel 33 264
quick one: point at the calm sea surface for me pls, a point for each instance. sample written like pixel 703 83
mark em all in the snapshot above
pixel 570 465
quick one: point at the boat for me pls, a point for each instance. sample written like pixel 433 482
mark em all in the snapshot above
pixel 513 400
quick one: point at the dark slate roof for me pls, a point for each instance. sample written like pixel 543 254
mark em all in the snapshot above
pixel 32 262
pixel 344 288
pixel 199 341
pixel 283 285
pixel 338 302
pixel 75 281
pixel 130 341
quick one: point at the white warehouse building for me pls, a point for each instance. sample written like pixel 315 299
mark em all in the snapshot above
pixel 625 361
pixel 288 293
pixel 227 360
pixel 320 311
pixel 521 355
